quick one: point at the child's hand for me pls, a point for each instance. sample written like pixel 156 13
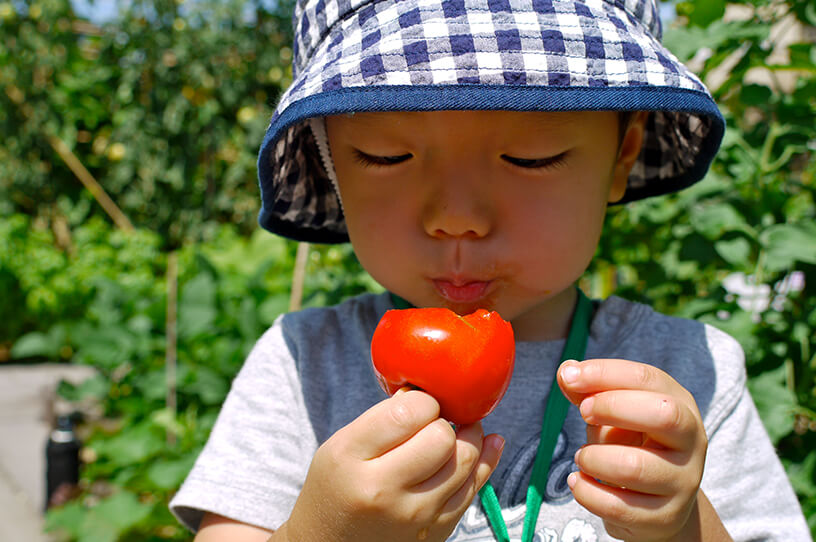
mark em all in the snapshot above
pixel 397 471
pixel 645 442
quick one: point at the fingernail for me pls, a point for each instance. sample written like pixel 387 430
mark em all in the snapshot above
pixel 586 407
pixel 572 479
pixel 498 444
pixel 570 374
pixel 401 390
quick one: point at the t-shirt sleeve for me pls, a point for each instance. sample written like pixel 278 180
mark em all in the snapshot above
pixel 743 476
pixel 252 467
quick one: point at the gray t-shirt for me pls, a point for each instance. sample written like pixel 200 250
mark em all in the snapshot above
pixel 310 374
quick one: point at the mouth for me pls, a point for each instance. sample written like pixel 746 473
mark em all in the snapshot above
pixel 461 291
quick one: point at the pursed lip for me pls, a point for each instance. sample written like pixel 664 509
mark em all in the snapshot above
pixel 461 290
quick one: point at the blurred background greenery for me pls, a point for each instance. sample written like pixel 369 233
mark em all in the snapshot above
pixel 127 168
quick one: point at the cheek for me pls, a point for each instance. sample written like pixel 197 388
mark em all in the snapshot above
pixel 558 232
pixel 365 222
pixel 378 215
pixel 381 234
pixel 371 233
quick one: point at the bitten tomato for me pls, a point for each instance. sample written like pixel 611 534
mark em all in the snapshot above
pixel 464 362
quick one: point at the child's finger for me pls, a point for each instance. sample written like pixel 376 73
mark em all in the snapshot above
pixel 577 380
pixel 422 456
pixel 615 504
pixel 665 420
pixel 389 423
pixel 467 450
pixel 609 434
pixel 488 460
pixel 654 472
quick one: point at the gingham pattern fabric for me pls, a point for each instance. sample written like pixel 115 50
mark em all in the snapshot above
pixel 358 55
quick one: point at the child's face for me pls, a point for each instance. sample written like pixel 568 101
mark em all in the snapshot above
pixel 491 209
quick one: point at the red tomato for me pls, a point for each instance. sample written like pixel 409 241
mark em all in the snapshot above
pixel 464 362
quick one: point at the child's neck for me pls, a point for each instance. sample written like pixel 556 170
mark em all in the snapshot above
pixel 547 321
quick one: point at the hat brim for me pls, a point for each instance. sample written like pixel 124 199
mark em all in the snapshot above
pixel 556 60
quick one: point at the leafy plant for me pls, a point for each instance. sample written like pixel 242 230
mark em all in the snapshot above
pixel 166 106
pixel 138 448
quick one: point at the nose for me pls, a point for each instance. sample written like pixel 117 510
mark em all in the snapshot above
pixel 458 207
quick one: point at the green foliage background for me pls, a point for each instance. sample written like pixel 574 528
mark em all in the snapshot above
pixel 166 106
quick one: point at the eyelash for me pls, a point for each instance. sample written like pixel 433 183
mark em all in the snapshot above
pixel 551 162
pixel 368 160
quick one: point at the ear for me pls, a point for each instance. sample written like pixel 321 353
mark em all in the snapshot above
pixel 628 151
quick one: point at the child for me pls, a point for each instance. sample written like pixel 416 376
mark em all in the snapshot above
pixel 469 149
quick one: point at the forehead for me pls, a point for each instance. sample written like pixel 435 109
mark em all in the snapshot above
pixel 529 122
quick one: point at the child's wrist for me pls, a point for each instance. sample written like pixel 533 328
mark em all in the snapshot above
pixel 704 524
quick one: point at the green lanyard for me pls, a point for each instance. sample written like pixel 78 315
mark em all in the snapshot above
pixel 554 416
pixel 556 412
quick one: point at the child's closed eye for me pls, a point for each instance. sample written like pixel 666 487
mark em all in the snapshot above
pixel 369 160
pixel 537 163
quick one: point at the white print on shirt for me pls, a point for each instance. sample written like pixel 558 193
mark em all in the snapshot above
pixel 577 530
pixel 474 528
pixel 512 487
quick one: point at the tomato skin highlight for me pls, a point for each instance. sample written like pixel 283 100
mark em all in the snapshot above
pixel 464 362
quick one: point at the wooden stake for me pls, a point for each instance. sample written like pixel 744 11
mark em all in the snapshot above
pixel 75 165
pixel 298 277
pixel 88 181
pixel 170 334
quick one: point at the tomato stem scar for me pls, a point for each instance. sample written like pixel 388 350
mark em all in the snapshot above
pixel 468 324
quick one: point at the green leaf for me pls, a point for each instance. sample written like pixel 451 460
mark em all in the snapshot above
pixel 97 529
pixel 169 474
pixel 114 516
pixel 753 94
pixel 712 221
pixel 200 290
pixel 774 401
pixel 166 419
pixel 95 387
pixel 108 346
pixel 735 251
pixel 105 522
pixel 132 445
pixel 152 385
pixel 683 41
pixel 67 518
pixel 247 319
pixel 803 475
pixel 35 344
pixel 211 387
pixel 702 13
pixel 786 244
pixel 197 306
pixel 196 320
pixel 272 307
pixel 140 325
pixel 802 56
pixel 696 248
pixel 696 307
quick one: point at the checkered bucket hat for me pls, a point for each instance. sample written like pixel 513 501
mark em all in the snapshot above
pixel 521 55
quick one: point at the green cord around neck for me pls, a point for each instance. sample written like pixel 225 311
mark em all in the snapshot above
pixel 554 415
pixel 553 421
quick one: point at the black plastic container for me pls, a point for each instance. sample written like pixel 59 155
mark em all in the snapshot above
pixel 62 462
